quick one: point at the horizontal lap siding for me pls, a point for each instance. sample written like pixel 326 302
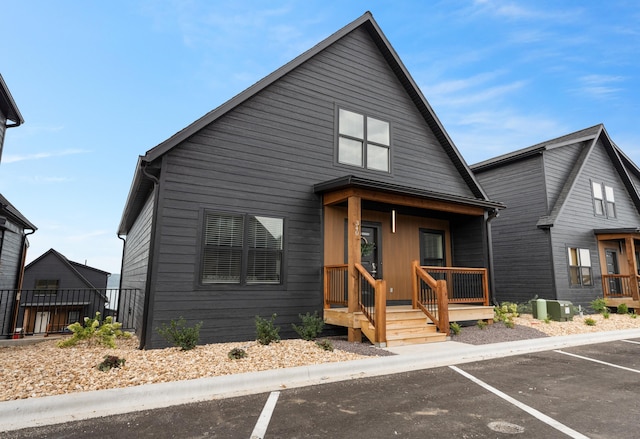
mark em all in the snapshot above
pixel 521 251
pixel 264 157
pixel 575 225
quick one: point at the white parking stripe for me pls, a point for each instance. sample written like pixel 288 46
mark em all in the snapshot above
pixel 533 412
pixel 598 361
pixel 263 421
pixel 631 341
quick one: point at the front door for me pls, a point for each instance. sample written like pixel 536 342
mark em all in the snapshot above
pixel 371 253
pixel 42 320
pixel 611 257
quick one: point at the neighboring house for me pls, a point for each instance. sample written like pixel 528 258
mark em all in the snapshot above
pixel 14 227
pixel 9 114
pixel 571 230
pixel 241 213
pixel 57 292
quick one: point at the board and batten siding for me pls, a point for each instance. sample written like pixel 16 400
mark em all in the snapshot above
pixel 521 252
pixel 576 222
pixel 136 260
pixel 263 158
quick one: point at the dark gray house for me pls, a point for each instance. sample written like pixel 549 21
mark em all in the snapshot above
pixel 256 207
pixel 57 292
pixel 14 227
pixel 571 230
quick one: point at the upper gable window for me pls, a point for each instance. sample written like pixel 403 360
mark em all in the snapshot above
pixel 604 203
pixel 363 141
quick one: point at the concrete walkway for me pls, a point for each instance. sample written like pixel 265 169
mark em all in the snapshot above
pixel 49 410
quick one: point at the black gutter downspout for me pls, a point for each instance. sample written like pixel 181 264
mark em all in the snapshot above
pixel 147 293
pixel 490 216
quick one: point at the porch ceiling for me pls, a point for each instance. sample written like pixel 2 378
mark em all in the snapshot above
pixel 339 190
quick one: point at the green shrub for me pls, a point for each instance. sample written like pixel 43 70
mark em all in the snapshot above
pixel 325 345
pixel 606 314
pixel 589 321
pixel 266 331
pixel 623 309
pixel 110 362
pixel 179 334
pixel 237 353
pixel 633 315
pixel 311 328
pixel 598 305
pixel 481 324
pixel 547 319
pixel 455 328
pixel 505 313
pixel 95 331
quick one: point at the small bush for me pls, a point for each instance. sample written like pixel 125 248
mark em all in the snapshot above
pixel 325 345
pixel 547 319
pixel 266 331
pixel 509 323
pixel 606 314
pixel 589 321
pixel 481 324
pixel 311 328
pixel 237 353
pixel 633 315
pixel 623 309
pixel 179 334
pixel 94 330
pixel 110 362
pixel 598 305
pixel 455 328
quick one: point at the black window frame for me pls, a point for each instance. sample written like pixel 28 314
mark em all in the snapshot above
pixel 605 205
pixel 245 252
pixel 422 249
pixel 364 141
pixel 576 272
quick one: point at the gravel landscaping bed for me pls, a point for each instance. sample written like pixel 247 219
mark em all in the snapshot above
pixel 43 369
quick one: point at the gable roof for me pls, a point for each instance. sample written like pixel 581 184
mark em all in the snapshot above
pixel 8 105
pixel 592 135
pixel 7 209
pixel 141 185
pixel 70 265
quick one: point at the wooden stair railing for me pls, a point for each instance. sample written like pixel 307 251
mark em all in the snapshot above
pixel 373 308
pixel 430 295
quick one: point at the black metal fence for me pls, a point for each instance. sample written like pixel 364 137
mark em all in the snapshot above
pixel 29 312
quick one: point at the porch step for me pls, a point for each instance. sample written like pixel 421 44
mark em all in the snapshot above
pixel 405 327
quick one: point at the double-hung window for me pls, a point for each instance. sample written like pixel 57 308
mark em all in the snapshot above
pixel 580 267
pixel 242 249
pixel 604 203
pixel 363 141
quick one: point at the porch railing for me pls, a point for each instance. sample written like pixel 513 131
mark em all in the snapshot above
pixel 619 285
pixel 372 301
pixel 430 295
pixel 51 311
pixel 464 285
pixel 336 285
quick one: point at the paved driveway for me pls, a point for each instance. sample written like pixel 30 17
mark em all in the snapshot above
pixel 587 391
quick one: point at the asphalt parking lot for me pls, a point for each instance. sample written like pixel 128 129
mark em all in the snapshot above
pixel 585 391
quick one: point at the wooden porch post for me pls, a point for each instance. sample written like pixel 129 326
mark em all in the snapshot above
pixel 443 306
pixel 381 312
pixel 354 222
pixel 631 260
pixel 414 284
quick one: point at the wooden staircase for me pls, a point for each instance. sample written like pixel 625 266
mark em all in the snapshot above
pixel 405 326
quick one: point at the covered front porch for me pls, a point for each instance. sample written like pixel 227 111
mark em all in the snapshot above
pixel 401 265
pixel 619 254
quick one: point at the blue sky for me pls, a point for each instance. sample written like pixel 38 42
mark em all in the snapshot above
pixel 101 82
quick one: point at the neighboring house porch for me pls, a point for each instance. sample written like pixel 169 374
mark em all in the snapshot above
pixel 619 251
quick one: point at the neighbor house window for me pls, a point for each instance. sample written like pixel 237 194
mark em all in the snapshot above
pixel 604 203
pixel 47 284
pixel 242 249
pixel 74 316
pixel 580 267
pixel 363 141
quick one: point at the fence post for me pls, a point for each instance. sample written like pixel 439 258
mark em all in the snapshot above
pixel 443 306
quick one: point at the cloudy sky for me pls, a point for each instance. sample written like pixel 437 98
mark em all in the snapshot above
pixel 101 82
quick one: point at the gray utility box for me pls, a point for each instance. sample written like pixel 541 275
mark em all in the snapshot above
pixel 560 310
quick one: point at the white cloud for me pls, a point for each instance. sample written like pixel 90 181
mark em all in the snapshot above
pixel 12 158
pixel 600 86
